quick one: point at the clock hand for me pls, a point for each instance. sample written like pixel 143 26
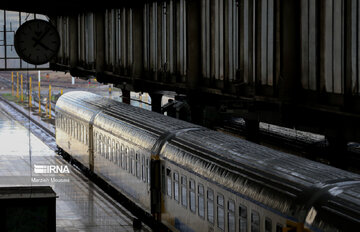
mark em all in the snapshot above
pixel 41 37
pixel 46 47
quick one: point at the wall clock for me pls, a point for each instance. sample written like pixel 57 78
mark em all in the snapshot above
pixel 37 41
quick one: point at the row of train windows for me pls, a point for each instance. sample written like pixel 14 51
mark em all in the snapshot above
pixel 184 192
pixel 72 127
pixel 122 156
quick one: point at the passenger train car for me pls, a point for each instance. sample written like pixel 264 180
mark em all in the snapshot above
pixel 194 179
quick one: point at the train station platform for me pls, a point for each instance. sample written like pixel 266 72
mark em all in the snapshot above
pixel 80 204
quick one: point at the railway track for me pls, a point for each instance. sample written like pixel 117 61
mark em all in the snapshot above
pixel 47 135
pixel 304 144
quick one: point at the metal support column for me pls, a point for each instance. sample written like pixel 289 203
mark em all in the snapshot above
pixel 156 102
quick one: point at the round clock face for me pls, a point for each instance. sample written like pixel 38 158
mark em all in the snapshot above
pixel 36 41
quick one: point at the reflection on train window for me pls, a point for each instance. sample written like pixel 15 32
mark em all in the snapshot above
pixel 201 203
pixel 255 221
pixel 184 191
pixel 231 216
pixel 168 182
pixel 192 195
pixel 220 212
pixel 176 186
pixel 210 206
pixel 242 218
pixel 279 228
pixel 268 225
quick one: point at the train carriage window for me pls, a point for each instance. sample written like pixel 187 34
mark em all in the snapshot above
pixel 76 130
pixel 168 182
pixel 84 134
pixel 148 170
pixel 242 218
pixel 255 221
pixel 138 166
pixel 111 150
pixel 130 162
pixel 66 125
pixel 100 144
pixel 124 157
pixel 279 227
pixel 105 147
pixel 113 156
pixel 133 162
pixel 143 168
pixel 231 216
pixel 210 206
pixel 268 225
pixel 108 151
pixel 184 191
pixel 87 136
pixel 163 186
pixel 80 132
pixel 192 200
pixel 117 154
pixel 82 129
pixel 73 128
pixel 176 186
pixel 220 212
pixel 201 203
pixel 95 142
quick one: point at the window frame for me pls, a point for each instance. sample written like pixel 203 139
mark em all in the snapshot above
pixel 210 201
pixel 192 195
pixel 201 195
pixel 220 208
pixel 184 189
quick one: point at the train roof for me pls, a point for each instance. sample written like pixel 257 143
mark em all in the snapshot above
pixel 289 184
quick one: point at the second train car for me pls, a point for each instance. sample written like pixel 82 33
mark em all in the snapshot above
pixel 191 178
